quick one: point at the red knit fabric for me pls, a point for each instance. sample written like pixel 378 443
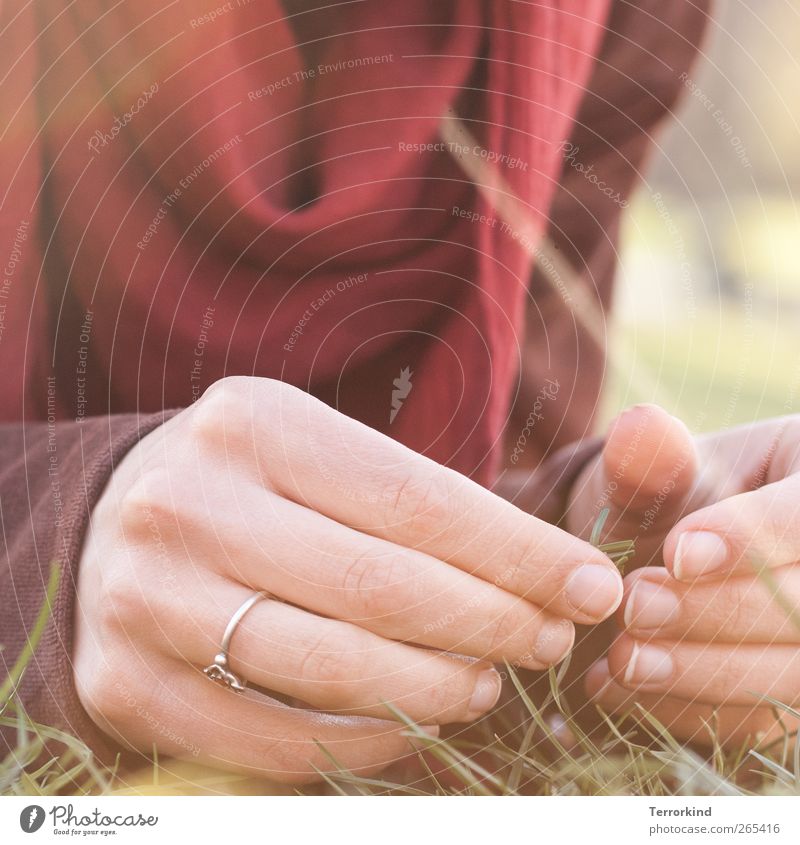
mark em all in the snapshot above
pixel 263 163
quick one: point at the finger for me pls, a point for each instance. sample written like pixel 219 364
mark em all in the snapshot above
pixel 736 610
pixel 186 714
pixel 749 531
pixel 703 724
pixel 707 672
pixel 331 665
pixel 270 543
pixel 364 479
pixel 644 475
pixel 405 595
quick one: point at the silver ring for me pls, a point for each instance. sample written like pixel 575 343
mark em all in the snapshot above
pixel 218 671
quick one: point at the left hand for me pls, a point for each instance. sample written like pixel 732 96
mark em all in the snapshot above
pixel 702 635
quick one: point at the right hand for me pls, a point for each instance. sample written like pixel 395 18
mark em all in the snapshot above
pixel 382 567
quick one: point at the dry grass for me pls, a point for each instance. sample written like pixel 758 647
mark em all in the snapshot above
pixel 517 750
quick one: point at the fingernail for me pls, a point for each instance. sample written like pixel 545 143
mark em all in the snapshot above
pixel 698 553
pixel 487 691
pixel 595 590
pixel 553 643
pixel 648 665
pixel 650 606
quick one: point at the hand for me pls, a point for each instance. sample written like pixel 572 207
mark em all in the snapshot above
pixel 705 637
pixel 382 566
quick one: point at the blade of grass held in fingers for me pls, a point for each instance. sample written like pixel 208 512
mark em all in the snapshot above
pixel 620 551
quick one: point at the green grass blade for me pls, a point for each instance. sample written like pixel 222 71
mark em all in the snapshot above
pixel 17 670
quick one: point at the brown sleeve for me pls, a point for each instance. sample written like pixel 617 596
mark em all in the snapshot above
pixel 544 492
pixel 51 476
pixel 634 86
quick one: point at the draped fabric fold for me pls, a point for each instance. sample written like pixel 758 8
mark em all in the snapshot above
pixel 219 189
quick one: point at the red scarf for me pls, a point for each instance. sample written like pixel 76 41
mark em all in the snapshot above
pixel 212 188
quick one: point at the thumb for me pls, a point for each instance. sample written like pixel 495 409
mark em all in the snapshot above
pixel 649 462
pixel 644 474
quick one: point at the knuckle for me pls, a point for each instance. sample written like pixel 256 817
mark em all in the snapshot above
pixel 376 585
pixel 122 603
pixel 226 387
pixel 327 663
pixel 423 503
pixel 286 760
pixel 734 612
pixel 240 416
pixel 279 395
pixel 517 554
pixel 450 693
pixel 109 695
pixel 147 502
pixel 724 679
pixel 275 399
pixel 503 633
pixel 221 411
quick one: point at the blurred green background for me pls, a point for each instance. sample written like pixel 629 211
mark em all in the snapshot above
pixel 709 281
